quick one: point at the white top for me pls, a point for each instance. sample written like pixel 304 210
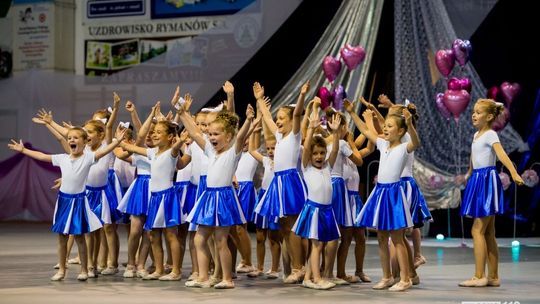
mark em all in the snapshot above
pixel 351 175
pixel 125 172
pixel 407 171
pixel 221 166
pixel 74 171
pixel 319 184
pixel 184 175
pixel 268 165
pixel 199 160
pixel 392 161
pixel 142 163
pixel 246 167
pixel 99 172
pixel 482 153
pixel 161 169
pixel 343 154
pixel 287 151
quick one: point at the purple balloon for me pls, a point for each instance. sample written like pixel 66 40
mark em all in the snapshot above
pixel 509 91
pixel 462 50
pixel 459 84
pixel 352 56
pixel 444 59
pixel 456 102
pixel 339 95
pixel 501 121
pixel 465 84
pixel 331 67
pixel 326 97
pixel 441 107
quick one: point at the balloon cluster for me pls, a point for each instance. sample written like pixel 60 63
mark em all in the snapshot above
pixel 530 178
pixel 352 57
pixel 505 93
pixel 505 180
pixel 457 96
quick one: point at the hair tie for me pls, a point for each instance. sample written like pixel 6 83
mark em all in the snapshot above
pixel 124 125
pixel 103 120
pixel 407 102
pixel 109 109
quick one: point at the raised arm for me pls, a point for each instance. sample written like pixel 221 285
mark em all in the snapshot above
pixel 19 147
pixel 141 135
pixel 179 141
pixel 299 108
pixel 378 115
pixel 114 143
pixel 255 144
pixel 191 126
pixel 415 141
pixel 112 119
pixel 228 88
pixel 334 127
pixel 258 92
pixel 370 134
pixel 505 160
pixel 356 156
pixel 44 118
pixel 47 117
pixel 130 107
pixel 244 130
pixel 314 122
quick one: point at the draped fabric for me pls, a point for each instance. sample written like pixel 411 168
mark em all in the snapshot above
pixel 356 22
pixel 25 189
pixel 420 29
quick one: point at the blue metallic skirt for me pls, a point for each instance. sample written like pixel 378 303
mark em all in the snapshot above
pixel 262 222
pixel 103 201
pixel 135 201
pixel 163 210
pixel 483 195
pixel 340 202
pixel 247 197
pixel 356 205
pixel 72 215
pixel 317 221
pixel 418 206
pixel 217 207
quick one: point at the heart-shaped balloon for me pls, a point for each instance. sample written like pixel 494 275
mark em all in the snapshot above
pixel 352 56
pixel 493 93
pixel 331 67
pixel 509 91
pixel 500 122
pixel 462 51
pixel 444 59
pixel 465 84
pixel 459 84
pixel 339 95
pixel 326 97
pixel 441 107
pixel 456 102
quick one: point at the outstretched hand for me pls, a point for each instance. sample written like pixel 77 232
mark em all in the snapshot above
pixel 116 100
pixel 334 123
pixel 314 120
pixel 305 88
pixel 43 117
pixel 258 90
pixel 130 106
pixel 250 113
pixel 348 106
pixel 176 97
pixel 228 87
pixel 384 101
pixel 408 117
pixel 16 146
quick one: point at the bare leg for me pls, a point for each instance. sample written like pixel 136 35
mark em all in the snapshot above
pixel 83 253
pixel 315 260
pixel 359 249
pixel 330 252
pixel 169 261
pixel 157 250
pixel 285 256
pixel 62 253
pixel 275 248
pixel 492 250
pixel 203 252
pixel 134 238
pixel 102 249
pixel 412 271
pixel 480 247
pixel 112 244
pixel 182 236
pixel 416 236
pixel 343 251
pixel 233 250
pixel 244 244
pixel 70 242
pixel 294 242
pixel 221 237
pixel 193 253
pixel 383 237
pixel 144 250
pixel 402 256
pixel 261 250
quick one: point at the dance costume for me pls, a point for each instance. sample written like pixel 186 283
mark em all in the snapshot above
pixel 262 222
pixel 340 197
pixel 246 191
pixel 137 197
pixel 386 207
pixel 181 186
pixel 164 209
pixel 352 179
pixel 286 193
pixel 484 193
pixel 218 205
pixel 72 212
pixel 317 220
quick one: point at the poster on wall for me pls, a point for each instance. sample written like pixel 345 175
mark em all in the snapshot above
pixel 33 36
pixel 125 54
pixel 151 49
pixel 188 51
pixel 184 8
pixel 98 55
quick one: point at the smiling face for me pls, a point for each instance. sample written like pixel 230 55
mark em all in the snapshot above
pixel 284 121
pixel 76 139
pixel 391 130
pixel 161 138
pixel 200 120
pixel 318 156
pixel 148 140
pixel 480 116
pixel 95 133
pixel 218 137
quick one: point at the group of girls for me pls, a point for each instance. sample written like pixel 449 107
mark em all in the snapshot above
pixel 308 205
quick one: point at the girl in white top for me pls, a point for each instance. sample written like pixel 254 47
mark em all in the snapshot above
pixel 483 197
pixel 286 194
pixel 386 208
pixel 265 228
pixel 317 221
pixel 164 211
pixel 217 209
pixel 135 201
pixel 72 214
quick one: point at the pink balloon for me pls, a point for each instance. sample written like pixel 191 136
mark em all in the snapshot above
pixel 444 59
pixel 326 97
pixel 465 84
pixel 493 92
pixel 462 50
pixel 339 95
pixel 352 56
pixel 501 120
pixel 509 91
pixel 456 101
pixel 441 107
pixel 459 84
pixel 331 67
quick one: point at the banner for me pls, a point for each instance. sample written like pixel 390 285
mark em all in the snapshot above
pixel 33 36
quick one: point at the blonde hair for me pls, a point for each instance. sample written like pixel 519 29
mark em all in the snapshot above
pixel 491 107
pixel 83 133
pixel 170 127
pixel 228 120
pixel 98 125
pixel 397 109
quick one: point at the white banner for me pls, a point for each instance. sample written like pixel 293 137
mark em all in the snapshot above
pixel 33 36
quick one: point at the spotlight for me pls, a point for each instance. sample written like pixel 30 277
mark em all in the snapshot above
pixel 515 243
pixel 440 237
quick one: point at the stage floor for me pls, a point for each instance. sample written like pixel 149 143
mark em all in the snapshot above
pixel 28 252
